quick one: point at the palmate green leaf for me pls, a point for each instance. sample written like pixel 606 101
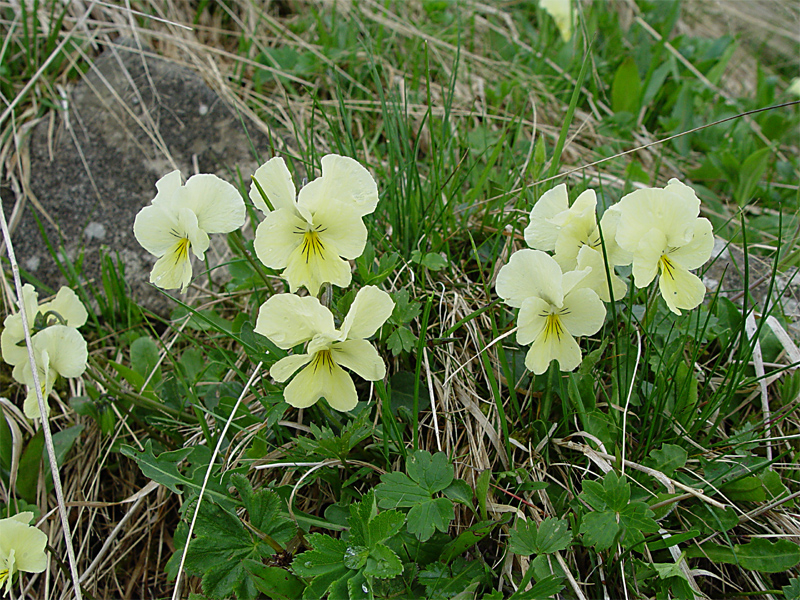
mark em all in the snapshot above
pixel 327 444
pixel 219 551
pixel 551 536
pixel 264 511
pixel 432 514
pixel 758 555
pixel 427 475
pixel 433 473
pixel 599 529
pixel 637 519
pixel 401 340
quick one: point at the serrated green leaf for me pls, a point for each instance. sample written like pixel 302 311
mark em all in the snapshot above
pixel 637 518
pixel 792 591
pixel 398 490
pixel 668 458
pixel 383 563
pixel 274 582
pixel 427 516
pixel 325 558
pixel 599 529
pixel 355 557
pixel 617 491
pixel 358 588
pixel 551 536
pixel 264 511
pixel 384 526
pixel 163 468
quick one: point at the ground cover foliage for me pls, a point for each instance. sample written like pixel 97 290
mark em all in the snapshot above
pixel 663 466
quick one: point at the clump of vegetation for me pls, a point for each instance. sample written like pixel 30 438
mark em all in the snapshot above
pixel 464 346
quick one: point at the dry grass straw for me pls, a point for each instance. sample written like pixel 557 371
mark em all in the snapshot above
pixel 123 524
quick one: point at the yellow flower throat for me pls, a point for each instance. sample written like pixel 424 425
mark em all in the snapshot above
pixel 666 266
pixel 311 244
pixel 322 360
pixel 553 327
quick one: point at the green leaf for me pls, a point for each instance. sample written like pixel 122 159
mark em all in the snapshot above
pixel 327 444
pixel 746 489
pixel 599 529
pixel 274 582
pixel 750 173
pixel 265 511
pixel 459 491
pixel 401 340
pixel 792 591
pixel 445 581
pixel 144 358
pixel 427 475
pixel 402 395
pixel 62 443
pixel 383 563
pixel 467 539
pixel 433 473
pixel 544 589
pixel 405 309
pixel 326 557
pixel 482 491
pixel 219 553
pixel 432 260
pixel 758 555
pixel 432 514
pixel 163 469
pixel 668 458
pixel 29 464
pixel 551 536
pixel 626 88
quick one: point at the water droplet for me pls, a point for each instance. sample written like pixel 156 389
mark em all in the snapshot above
pixel 308 564
pixel 350 552
pixel 364 588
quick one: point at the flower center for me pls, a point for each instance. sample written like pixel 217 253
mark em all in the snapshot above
pixel 553 327
pixel 667 266
pixel 312 245
pixel 3 576
pixel 182 250
pixel 322 360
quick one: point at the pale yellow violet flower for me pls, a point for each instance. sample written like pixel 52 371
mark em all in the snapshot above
pixel 313 235
pixel 553 308
pixel 21 548
pixel 289 320
pixel 58 350
pixel 661 229
pixel 561 11
pixel 58 347
pixel 180 218
pixel 572 232
pixel 64 309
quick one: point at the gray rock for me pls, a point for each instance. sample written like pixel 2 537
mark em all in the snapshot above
pixel 129 121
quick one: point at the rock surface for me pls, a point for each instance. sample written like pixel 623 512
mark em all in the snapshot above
pixel 129 121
